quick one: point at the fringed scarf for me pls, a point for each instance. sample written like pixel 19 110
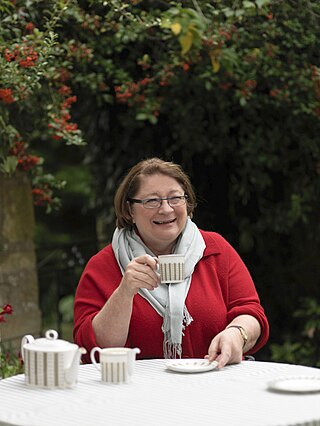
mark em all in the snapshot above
pixel 168 299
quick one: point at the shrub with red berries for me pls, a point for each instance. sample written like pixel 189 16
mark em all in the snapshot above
pixel 35 102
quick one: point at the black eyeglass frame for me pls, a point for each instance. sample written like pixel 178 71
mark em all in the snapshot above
pixel 145 200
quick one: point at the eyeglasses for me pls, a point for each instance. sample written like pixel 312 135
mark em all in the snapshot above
pixel 155 203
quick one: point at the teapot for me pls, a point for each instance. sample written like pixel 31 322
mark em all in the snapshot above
pixel 50 362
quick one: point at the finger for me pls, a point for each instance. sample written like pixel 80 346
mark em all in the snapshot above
pixel 225 355
pixel 220 350
pixel 144 264
pixel 223 359
pixel 146 259
pixel 219 358
pixel 148 268
pixel 220 354
pixel 147 274
pixel 147 279
pixel 214 350
pixel 213 355
pixel 141 276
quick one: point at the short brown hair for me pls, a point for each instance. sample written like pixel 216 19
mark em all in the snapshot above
pixel 131 183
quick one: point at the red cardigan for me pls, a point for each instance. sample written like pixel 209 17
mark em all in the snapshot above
pixel 220 290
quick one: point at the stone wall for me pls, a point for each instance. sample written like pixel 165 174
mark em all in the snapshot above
pixel 18 273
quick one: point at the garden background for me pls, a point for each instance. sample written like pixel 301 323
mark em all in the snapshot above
pixel 228 89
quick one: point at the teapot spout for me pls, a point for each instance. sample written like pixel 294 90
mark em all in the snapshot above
pixel 136 350
pixel 71 372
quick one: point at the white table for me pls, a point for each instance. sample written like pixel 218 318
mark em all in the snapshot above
pixel 236 395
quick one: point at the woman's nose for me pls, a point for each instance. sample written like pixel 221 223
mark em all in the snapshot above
pixel 165 206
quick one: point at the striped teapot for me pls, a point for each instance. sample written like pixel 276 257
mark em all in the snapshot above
pixel 50 362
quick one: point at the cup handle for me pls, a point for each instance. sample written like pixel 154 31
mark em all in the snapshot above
pixel 92 357
pixel 132 359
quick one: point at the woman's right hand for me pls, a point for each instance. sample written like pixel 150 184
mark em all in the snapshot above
pixel 111 324
pixel 141 272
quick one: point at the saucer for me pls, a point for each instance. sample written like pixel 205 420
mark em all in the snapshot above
pixel 296 384
pixel 190 365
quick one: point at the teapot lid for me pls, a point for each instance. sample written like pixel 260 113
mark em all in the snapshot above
pixel 50 343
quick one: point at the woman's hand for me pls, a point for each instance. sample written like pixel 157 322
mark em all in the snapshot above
pixel 111 324
pixel 226 347
pixel 141 272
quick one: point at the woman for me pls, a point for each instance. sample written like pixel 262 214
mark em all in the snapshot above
pixel 214 313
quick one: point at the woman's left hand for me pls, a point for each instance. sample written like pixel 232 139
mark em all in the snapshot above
pixel 226 348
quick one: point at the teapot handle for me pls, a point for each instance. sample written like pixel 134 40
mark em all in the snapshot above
pixel 26 339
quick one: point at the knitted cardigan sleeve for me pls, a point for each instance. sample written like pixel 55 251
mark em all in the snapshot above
pixel 99 279
pixel 238 289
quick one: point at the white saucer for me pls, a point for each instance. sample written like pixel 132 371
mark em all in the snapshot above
pixel 296 384
pixel 191 365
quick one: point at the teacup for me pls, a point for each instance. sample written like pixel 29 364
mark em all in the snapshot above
pixel 116 364
pixel 171 268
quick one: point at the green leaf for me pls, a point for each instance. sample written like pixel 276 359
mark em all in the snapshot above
pixel 9 165
pixel 176 28
pixel 261 3
pixel 243 101
pixel 248 4
pixel 141 116
pixel 186 42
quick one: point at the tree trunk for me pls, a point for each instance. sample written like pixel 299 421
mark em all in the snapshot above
pixel 18 272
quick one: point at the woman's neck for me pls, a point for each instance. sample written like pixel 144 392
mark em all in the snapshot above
pixel 164 249
pixel 168 249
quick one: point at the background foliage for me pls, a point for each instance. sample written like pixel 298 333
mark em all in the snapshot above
pixel 229 89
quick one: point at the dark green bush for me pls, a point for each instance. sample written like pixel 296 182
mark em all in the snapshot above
pixel 229 89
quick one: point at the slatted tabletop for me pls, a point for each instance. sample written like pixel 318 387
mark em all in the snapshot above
pixel 235 395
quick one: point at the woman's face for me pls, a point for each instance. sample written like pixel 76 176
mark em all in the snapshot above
pixel 159 227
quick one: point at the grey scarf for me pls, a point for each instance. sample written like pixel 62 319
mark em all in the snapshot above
pixel 167 299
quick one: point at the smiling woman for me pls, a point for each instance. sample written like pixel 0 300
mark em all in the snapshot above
pixel 159 221
pixel 214 312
